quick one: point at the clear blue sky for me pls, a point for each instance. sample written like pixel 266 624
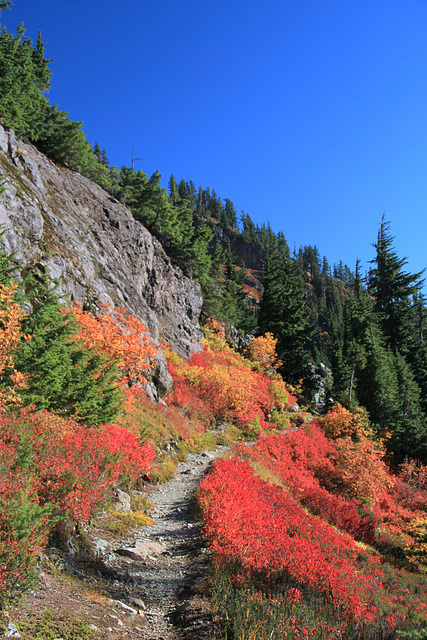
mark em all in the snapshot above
pixel 311 115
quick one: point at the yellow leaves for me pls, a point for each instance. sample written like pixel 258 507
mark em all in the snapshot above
pixel 11 316
pixel 214 336
pixel 283 398
pixel 339 422
pixel 416 549
pixel 262 351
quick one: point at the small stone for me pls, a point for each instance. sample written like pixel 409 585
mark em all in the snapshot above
pixel 125 606
pixel 138 603
pixel 142 550
pixel 123 501
pixel 12 631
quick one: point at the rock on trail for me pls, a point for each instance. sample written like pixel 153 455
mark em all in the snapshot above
pixel 167 566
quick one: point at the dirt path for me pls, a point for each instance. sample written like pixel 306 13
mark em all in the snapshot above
pixel 172 585
pixel 150 584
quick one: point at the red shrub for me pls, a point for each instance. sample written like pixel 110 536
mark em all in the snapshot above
pixel 221 384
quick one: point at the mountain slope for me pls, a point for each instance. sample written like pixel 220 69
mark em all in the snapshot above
pixel 61 223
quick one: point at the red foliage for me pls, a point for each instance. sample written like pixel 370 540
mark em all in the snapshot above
pixel 259 526
pixel 262 527
pixel 344 482
pixel 221 384
pixel 71 466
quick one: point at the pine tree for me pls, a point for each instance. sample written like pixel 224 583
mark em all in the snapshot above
pixel 97 152
pixel 62 375
pixel 392 289
pixel 357 325
pixel 104 159
pixel 5 4
pixel 173 190
pixel 42 72
pixel 282 311
pixel 409 433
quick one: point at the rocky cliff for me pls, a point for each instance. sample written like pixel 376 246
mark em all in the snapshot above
pixel 64 224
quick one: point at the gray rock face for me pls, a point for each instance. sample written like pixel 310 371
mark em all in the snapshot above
pixel 92 245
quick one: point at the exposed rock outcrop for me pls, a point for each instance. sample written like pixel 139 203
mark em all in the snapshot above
pixel 93 247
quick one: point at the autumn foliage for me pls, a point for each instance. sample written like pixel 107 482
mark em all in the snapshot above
pixel 52 469
pixel 222 385
pixel 11 315
pixel 122 337
pixel 288 521
pixel 262 351
pixel 279 550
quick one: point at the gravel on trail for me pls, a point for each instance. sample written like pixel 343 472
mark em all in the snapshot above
pixel 171 582
pixel 164 567
pixel 148 584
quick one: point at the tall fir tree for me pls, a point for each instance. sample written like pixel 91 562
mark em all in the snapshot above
pixel 283 312
pixel 393 289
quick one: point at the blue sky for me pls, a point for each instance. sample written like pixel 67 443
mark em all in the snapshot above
pixel 311 115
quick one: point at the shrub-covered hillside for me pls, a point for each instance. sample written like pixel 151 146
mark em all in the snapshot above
pixel 316 530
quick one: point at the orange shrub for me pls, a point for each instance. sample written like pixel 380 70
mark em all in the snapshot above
pixel 262 351
pixel 11 316
pixel 121 336
pixel 339 422
pixel 222 384
pixel 215 326
pixel 360 470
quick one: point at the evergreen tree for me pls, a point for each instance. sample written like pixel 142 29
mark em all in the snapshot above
pixel 357 326
pixel 200 204
pixel 42 72
pixel 97 152
pixel 62 375
pixel 370 363
pixel 104 159
pixel 393 289
pixel 418 348
pixel 282 311
pixel 409 433
pixel 173 190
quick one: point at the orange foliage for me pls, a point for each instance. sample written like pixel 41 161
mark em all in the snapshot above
pixel 339 422
pixel 220 383
pixel 215 326
pixel 262 351
pixel 122 337
pixel 11 316
pixel 360 470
